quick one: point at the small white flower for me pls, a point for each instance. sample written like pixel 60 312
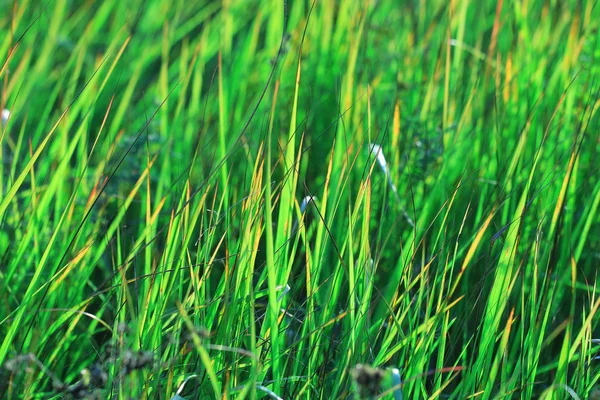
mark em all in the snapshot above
pixel 5 116
pixel 378 152
pixel 285 291
pixel 305 202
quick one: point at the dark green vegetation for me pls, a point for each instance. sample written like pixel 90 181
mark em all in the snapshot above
pixel 155 224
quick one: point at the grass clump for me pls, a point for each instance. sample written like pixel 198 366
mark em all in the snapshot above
pixel 321 200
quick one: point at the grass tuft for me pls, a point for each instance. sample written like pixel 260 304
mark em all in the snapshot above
pixel 324 200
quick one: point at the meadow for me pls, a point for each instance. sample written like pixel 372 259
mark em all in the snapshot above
pixel 246 199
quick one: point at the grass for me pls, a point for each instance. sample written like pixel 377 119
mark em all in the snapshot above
pixel 317 200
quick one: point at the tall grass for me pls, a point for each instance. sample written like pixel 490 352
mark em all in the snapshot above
pixel 320 200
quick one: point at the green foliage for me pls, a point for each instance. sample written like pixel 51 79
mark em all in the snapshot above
pixel 266 199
